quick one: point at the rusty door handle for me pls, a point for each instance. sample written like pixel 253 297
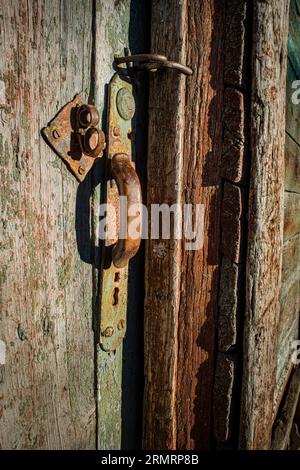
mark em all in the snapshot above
pixel 129 186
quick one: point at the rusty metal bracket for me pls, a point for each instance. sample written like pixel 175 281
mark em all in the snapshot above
pixel 121 180
pixel 74 136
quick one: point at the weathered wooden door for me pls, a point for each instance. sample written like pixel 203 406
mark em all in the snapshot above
pixel 58 390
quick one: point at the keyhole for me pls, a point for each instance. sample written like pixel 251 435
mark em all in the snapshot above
pixel 116 296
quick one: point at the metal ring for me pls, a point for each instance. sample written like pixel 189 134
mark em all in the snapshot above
pixel 87 116
pixel 86 146
pixel 151 62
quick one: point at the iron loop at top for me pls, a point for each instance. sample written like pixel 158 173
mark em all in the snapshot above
pixel 152 63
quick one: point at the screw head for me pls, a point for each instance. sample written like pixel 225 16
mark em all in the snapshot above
pixel 125 104
pixel 81 170
pixel 108 332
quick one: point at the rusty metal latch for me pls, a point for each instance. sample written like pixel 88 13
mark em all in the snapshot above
pixel 75 136
pixel 150 63
pixel 122 180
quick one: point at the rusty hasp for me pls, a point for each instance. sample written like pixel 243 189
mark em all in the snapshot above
pixel 150 63
pixel 74 136
pixel 122 180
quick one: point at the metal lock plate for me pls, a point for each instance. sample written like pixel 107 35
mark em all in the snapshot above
pixel 64 135
pixel 113 304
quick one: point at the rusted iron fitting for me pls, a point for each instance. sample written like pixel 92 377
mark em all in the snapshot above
pixel 150 63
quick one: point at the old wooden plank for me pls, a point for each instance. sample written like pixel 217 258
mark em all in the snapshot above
pixel 48 388
pixel 292 165
pixel 111 29
pixel 265 223
pixel 222 402
pixel 233 135
pixel 163 256
pixel 291 215
pixel 235 43
pixel 179 363
pixel 284 422
pixel 231 222
pixel 201 182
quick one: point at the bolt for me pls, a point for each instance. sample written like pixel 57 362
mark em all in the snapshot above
pixel 125 104
pixel 121 324
pixel 81 170
pixel 109 331
pixel 116 131
pixel 55 134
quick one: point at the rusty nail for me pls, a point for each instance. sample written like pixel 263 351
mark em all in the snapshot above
pixel 81 170
pixel 116 131
pixel 55 134
pixel 109 331
pixel 121 324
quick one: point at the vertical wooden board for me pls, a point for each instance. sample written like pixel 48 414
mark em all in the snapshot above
pixel 111 36
pixel 270 29
pixel 201 183
pixel 180 305
pixel 47 389
pixel 166 110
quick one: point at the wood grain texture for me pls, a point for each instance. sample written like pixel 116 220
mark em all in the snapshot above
pixel 265 223
pixel 181 302
pixel 201 185
pixel 47 389
pixel 162 295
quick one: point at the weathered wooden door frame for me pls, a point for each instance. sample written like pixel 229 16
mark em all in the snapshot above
pixel 181 303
